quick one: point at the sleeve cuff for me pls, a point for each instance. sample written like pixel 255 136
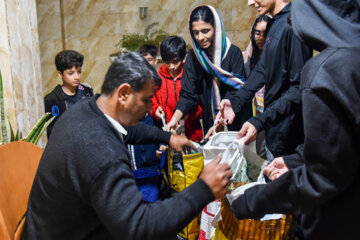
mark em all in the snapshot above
pixel 164 136
pixel 296 159
pixel 257 124
pixel 239 208
pixel 236 101
pixel 201 193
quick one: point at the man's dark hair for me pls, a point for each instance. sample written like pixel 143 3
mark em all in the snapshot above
pixel 129 68
pixel 201 13
pixel 173 47
pixel 66 59
pixel 148 49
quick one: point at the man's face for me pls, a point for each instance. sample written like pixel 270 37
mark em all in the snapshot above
pixel 150 59
pixel 263 6
pixel 71 77
pixel 138 104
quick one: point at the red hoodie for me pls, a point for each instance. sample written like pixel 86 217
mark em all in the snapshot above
pixel 168 96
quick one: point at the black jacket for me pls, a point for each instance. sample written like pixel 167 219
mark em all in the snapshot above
pixel 279 69
pixel 196 86
pixel 84 187
pixel 57 98
pixel 326 188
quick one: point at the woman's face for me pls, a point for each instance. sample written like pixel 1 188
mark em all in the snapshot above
pixel 203 33
pixel 259 34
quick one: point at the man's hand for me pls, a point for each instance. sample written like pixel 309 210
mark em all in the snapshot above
pixel 275 169
pixel 227 114
pixel 180 143
pixel 159 112
pixel 217 177
pixel 248 131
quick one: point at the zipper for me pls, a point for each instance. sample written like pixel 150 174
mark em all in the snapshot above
pixel 175 89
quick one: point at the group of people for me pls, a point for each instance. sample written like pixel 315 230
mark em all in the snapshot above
pixel 84 187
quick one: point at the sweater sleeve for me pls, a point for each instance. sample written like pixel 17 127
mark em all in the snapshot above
pixel 145 134
pixel 188 93
pixel 118 203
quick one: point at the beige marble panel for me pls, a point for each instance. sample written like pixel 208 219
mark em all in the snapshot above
pixel 5 68
pixel 24 61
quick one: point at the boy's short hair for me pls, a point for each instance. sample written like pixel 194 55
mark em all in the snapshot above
pixel 148 49
pixel 66 59
pixel 173 47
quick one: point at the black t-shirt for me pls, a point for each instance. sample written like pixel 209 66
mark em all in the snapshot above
pixel 71 100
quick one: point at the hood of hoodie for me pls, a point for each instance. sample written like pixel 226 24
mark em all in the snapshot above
pixel 327 23
pixel 165 74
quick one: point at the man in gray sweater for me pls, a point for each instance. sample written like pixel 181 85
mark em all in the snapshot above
pixel 84 187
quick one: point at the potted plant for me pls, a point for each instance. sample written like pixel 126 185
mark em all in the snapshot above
pixel 133 41
pixel 34 134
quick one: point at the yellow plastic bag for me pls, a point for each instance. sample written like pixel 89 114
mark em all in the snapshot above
pixel 183 171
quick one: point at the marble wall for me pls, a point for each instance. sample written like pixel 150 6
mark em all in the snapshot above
pixel 20 64
pixel 94 27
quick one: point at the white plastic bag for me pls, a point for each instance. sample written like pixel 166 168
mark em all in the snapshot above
pixel 233 151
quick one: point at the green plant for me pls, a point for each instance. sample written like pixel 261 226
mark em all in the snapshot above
pixel 34 134
pixel 14 136
pixel 133 41
pixel 2 109
pixel 39 128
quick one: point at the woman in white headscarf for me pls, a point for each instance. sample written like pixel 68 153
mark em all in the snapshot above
pixel 213 69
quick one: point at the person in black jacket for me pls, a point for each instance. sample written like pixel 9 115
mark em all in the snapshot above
pixel 325 188
pixel 213 69
pixel 84 187
pixel 68 65
pixel 279 68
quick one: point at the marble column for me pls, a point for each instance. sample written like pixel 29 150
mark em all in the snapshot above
pixel 20 64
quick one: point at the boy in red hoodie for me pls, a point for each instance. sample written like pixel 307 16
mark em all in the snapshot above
pixel 173 52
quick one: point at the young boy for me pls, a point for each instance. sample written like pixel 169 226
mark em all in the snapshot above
pixel 68 65
pixel 149 52
pixel 173 52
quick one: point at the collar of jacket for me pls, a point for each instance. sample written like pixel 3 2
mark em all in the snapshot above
pixel 285 10
pixel 59 92
pixel 97 111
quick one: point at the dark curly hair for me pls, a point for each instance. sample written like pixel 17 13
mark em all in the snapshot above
pixel 66 59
